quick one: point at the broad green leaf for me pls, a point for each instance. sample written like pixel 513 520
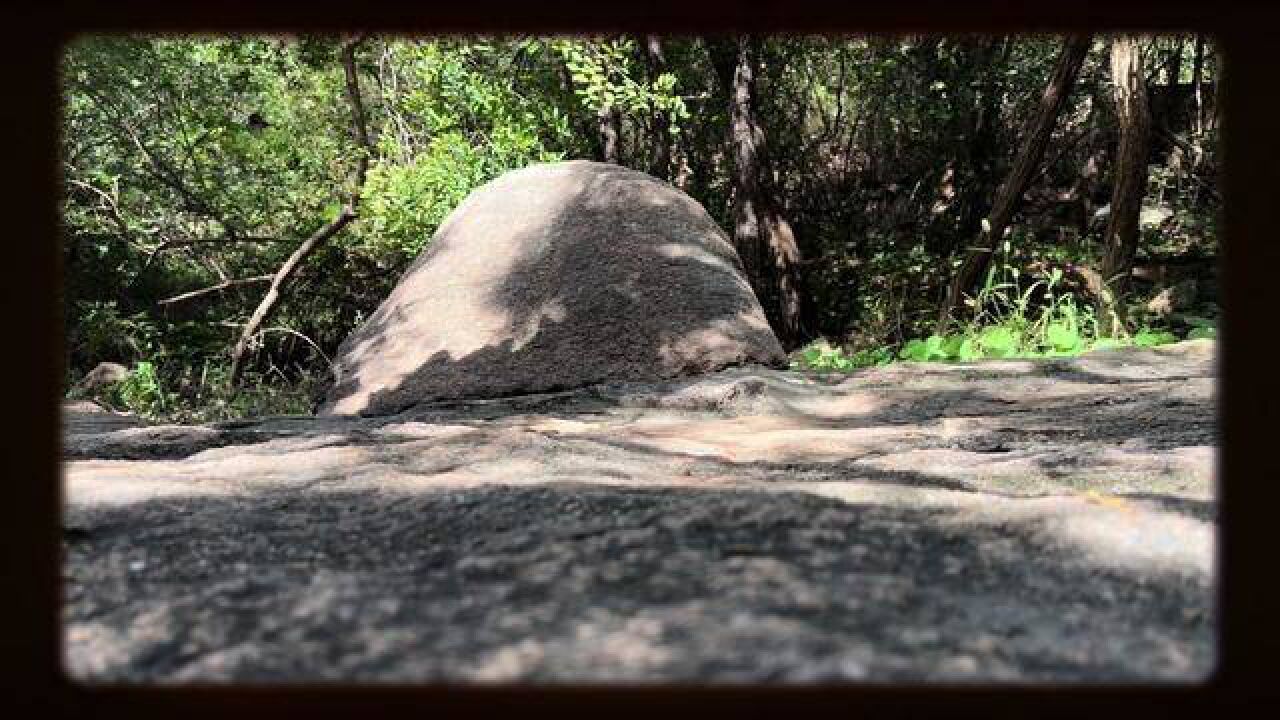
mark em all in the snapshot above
pixel 951 348
pixel 1151 338
pixel 1062 336
pixel 998 341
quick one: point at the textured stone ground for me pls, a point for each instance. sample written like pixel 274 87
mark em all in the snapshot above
pixel 1024 521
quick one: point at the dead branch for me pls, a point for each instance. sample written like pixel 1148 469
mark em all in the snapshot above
pixel 172 243
pixel 279 281
pixel 286 271
pixel 215 288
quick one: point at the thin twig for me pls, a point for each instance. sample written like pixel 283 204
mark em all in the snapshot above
pixel 291 331
pixel 215 288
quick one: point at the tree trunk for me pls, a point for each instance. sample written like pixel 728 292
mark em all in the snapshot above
pixel 972 179
pixel 348 213
pixel 1034 142
pixel 1173 67
pixel 660 136
pixel 763 237
pixel 1120 239
pixel 1197 77
pixel 609 123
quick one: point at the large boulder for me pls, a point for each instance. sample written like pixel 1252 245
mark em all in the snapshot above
pixel 553 277
pixel 103 376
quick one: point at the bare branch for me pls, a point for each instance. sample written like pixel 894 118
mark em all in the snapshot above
pixel 112 208
pixel 357 117
pixel 278 282
pixel 286 271
pixel 295 333
pixel 215 288
pixel 171 243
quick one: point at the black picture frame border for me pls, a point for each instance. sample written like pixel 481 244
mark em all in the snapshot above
pixel 1248 390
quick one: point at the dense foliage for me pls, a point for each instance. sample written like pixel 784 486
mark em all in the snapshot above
pixel 193 167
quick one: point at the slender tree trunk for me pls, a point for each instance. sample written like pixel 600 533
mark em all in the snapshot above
pixel 1034 142
pixel 349 212
pixel 1197 78
pixel 1120 239
pixel 660 136
pixel 972 178
pixel 1173 67
pixel 609 125
pixel 761 233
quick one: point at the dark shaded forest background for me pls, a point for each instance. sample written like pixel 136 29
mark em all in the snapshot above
pixel 233 207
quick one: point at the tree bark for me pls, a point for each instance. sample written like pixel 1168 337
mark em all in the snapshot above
pixel 318 238
pixel 761 234
pixel 1120 239
pixel 1173 67
pixel 1035 140
pixel 609 123
pixel 969 178
pixel 659 127
pixel 1197 77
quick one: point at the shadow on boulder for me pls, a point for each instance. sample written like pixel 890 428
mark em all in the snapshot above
pixel 555 277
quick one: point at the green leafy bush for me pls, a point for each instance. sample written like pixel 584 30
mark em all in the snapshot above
pixel 1150 338
pixel 140 392
pixel 822 356
pixel 104 333
pixel 924 350
pixel 1201 328
pixel 999 341
pixel 1009 325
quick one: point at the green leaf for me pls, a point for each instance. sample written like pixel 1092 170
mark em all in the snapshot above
pixel 951 347
pixel 998 341
pixel 1062 336
pixel 915 349
pixel 933 348
pixel 1152 338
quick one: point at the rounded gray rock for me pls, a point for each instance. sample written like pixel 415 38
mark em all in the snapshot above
pixel 553 277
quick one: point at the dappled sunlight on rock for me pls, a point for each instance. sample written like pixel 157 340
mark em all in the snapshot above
pixel 121 483
pixel 909 522
pixel 484 311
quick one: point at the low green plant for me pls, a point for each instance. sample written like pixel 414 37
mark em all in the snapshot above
pixel 1201 328
pixel 1147 337
pixel 1013 318
pixel 104 332
pixel 824 357
pixel 140 392
pixel 207 397
pixel 1008 324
